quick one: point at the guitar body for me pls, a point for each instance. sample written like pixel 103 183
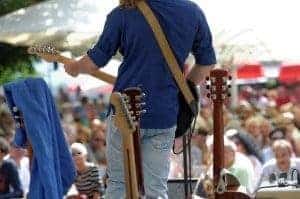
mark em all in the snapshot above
pixel 127 117
pixel 218 93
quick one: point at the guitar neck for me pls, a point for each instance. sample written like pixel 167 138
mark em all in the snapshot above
pixel 131 177
pixel 138 162
pixel 218 157
pixel 97 73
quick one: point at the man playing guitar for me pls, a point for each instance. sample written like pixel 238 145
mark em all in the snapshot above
pixel 144 66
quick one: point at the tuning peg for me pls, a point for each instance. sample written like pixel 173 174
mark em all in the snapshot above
pixel 142 112
pixel 230 77
pixel 140 97
pixel 214 88
pixel 229 86
pixel 224 88
pixel 18 125
pixel 214 97
pixel 228 94
pixel 208 95
pixel 207 78
pixel 224 96
pixel 17 117
pixel 213 79
pixel 125 98
pixel 133 118
pixel 15 109
pixel 207 87
pixel 139 105
pixel 143 103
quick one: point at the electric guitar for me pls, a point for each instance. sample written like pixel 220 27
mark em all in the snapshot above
pixel 218 93
pixel 128 108
pixel 50 54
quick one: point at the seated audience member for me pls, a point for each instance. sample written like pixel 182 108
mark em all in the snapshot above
pixel 96 147
pixel 286 121
pixel 10 185
pixel 247 146
pixel 17 155
pixel 83 133
pixel 283 161
pixel 252 126
pixel 96 150
pixel 238 164
pixel 87 179
pixel 276 134
pixel 265 129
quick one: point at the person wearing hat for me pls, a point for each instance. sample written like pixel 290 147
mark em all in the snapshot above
pixel 87 179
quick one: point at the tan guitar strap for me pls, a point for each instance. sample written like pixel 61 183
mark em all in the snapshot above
pixel 167 53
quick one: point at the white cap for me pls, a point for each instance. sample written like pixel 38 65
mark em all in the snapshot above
pixel 79 147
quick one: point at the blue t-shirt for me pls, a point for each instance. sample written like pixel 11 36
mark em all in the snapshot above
pixel 143 64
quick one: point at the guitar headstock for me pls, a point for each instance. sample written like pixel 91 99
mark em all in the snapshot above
pixel 47 52
pixel 128 108
pixel 218 85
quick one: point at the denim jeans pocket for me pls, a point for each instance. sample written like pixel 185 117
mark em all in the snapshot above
pixel 164 140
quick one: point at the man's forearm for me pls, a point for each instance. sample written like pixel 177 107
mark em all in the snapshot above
pixel 86 65
pixel 198 73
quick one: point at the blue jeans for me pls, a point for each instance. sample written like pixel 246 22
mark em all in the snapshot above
pixel 156 146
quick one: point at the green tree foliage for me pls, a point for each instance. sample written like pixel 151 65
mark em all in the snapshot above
pixel 15 63
pixel 7 6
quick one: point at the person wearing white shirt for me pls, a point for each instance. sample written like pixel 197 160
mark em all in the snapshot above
pixel 284 162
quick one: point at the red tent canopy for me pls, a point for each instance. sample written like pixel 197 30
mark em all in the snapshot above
pixel 250 71
pixel 289 73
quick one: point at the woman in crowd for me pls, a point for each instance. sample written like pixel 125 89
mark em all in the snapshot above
pixel 87 180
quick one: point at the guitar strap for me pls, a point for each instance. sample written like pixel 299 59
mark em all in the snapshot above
pixel 168 54
pixel 181 83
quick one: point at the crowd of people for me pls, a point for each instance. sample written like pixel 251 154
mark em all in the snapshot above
pixel 261 139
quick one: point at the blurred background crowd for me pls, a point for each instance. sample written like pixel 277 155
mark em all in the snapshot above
pixel 262 136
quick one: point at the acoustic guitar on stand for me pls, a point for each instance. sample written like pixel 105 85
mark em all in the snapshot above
pixel 218 87
pixel 50 54
pixel 128 109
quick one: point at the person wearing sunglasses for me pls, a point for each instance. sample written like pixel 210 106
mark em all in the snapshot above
pixel 87 179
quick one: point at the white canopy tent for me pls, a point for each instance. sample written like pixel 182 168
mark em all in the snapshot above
pixel 71 25
pixel 67 24
pixel 266 30
pixel 262 29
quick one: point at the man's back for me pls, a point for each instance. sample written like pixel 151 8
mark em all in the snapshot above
pixel 143 65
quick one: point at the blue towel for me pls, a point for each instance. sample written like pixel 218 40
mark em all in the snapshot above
pixel 53 170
